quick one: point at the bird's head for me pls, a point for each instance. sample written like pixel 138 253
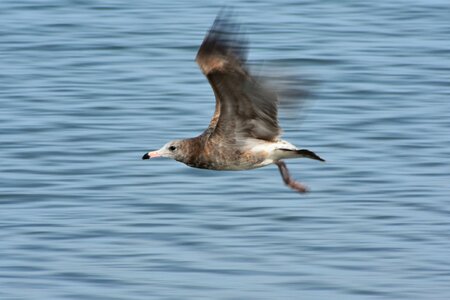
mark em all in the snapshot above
pixel 173 149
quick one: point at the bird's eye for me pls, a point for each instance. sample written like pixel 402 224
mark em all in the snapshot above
pixel 172 148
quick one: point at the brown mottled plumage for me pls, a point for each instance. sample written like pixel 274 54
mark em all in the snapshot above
pixel 243 132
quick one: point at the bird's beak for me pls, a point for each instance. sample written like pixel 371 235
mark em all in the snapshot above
pixel 151 154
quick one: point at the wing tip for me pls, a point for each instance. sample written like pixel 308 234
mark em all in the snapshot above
pixel 224 44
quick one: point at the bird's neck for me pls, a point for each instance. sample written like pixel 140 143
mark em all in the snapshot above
pixel 196 152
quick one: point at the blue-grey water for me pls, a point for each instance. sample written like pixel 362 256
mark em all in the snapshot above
pixel 87 87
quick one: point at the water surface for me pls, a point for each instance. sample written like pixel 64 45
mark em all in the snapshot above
pixel 87 88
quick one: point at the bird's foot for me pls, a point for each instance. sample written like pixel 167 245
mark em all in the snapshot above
pixel 288 180
pixel 297 186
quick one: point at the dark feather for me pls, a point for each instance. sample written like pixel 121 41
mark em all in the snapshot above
pixel 245 108
pixel 305 153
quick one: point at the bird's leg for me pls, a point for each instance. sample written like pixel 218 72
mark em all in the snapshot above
pixel 288 180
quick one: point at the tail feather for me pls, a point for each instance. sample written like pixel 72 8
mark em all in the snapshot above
pixel 303 153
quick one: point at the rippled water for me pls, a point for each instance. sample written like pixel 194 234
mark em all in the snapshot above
pixel 87 88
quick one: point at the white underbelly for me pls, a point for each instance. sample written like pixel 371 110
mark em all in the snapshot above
pixel 270 149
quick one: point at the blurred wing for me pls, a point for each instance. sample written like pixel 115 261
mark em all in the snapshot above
pixel 244 107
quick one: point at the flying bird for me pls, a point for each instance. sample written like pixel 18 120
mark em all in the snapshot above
pixel 244 132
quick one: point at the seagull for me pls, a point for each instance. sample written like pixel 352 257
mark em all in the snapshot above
pixel 244 132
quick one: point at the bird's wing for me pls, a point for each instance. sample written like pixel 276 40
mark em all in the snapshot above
pixel 244 107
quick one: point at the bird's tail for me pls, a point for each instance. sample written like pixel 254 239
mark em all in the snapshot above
pixel 296 153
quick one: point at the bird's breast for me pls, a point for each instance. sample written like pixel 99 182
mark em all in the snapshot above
pixel 229 159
